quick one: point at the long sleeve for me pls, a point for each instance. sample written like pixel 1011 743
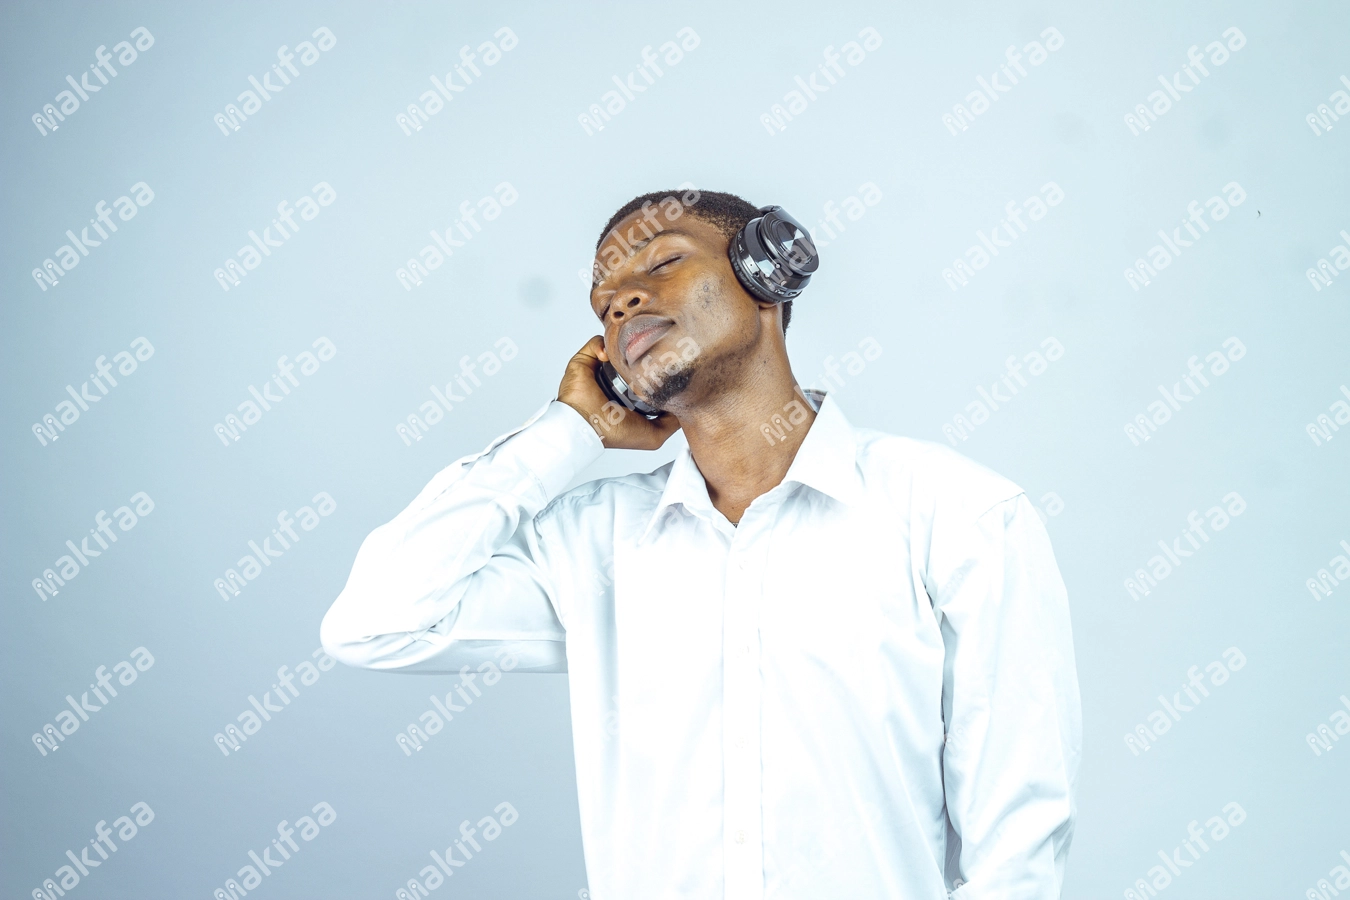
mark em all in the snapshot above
pixel 461 571
pixel 1011 703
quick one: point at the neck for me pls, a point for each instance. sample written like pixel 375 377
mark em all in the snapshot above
pixel 726 433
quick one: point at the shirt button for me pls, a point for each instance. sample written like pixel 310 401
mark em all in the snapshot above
pixel 740 836
pixel 740 743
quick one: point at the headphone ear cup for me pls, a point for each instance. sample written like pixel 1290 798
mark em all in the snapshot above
pixel 745 253
pixel 604 376
pixel 773 256
pixel 616 389
pixel 785 239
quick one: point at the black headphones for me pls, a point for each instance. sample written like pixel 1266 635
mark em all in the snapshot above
pixel 773 257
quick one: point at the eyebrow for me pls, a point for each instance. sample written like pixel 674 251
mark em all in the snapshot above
pixel 636 246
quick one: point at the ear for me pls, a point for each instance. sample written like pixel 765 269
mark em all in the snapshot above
pixel 775 314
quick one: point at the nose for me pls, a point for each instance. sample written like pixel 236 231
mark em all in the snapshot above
pixel 630 307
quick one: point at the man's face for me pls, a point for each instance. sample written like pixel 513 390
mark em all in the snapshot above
pixel 672 311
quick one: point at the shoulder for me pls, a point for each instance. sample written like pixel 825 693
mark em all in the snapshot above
pixel 633 491
pixel 930 475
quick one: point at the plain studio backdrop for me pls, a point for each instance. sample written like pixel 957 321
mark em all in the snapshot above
pixel 886 127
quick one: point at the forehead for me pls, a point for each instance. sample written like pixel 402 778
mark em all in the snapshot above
pixel 635 231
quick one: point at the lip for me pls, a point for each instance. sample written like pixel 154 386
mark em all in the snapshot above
pixel 638 335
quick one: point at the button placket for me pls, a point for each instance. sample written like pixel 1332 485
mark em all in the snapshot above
pixel 742 775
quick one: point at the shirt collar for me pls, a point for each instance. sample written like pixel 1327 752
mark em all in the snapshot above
pixel 826 461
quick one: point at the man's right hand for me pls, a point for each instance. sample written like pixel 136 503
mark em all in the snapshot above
pixel 618 427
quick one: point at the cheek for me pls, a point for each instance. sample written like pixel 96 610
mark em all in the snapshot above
pixel 708 294
pixel 709 313
pixel 712 315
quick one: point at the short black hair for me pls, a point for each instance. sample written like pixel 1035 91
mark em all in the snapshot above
pixel 727 213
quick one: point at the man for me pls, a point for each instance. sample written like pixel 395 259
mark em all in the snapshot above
pixel 808 660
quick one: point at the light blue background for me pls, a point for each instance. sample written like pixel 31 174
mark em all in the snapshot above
pixel 880 279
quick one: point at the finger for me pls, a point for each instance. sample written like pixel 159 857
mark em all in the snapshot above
pixel 668 425
pixel 588 353
pixel 660 431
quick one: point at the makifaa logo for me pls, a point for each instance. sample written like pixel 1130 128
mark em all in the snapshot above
pixel 50 428
pixel 50 272
pixel 126 55
pixel 230 121
pixel 309 830
pixel 51 580
pixel 49 738
pixel 231 273
pixel 233 582
pixel 231 739
pixel 251 413
pixel 68 877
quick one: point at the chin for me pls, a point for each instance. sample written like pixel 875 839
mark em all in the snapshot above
pixel 663 385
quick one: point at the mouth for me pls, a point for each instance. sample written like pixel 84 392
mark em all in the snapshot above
pixel 638 335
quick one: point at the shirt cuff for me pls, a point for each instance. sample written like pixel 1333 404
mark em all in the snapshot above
pixel 555 445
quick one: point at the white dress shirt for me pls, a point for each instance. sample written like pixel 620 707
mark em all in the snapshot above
pixel 864 690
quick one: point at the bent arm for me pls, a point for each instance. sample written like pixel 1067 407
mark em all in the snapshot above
pixel 1011 704
pixel 460 572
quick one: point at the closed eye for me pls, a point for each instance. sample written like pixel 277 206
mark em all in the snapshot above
pixel 661 265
